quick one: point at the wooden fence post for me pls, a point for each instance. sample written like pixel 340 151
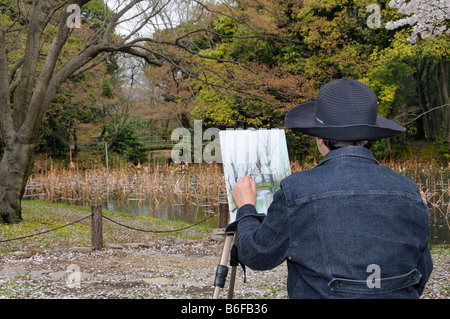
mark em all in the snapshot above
pixel 223 215
pixel 96 227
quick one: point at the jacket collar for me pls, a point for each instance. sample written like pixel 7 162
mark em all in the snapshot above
pixel 355 151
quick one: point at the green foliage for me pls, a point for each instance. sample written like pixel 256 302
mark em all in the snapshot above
pixel 336 39
pixel 381 149
pixel 215 107
pixel 93 14
pixel 307 44
pixel 225 25
pixel 70 107
pixel 260 50
pixel 388 68
pixel 53 138
pixel 278 55
pixel 7 13
pixel 441 147
pixel 301 147
pixel 130 144
pixel 55 132
pixel 108 89
pixel 408 79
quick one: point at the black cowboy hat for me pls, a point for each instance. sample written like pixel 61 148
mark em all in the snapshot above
pixel 345 109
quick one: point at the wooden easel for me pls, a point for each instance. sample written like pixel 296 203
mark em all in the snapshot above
pixel 222 267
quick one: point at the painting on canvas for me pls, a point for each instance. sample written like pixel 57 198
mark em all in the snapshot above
pixel 261 154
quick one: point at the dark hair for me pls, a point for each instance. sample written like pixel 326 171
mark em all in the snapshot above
pixel 335 144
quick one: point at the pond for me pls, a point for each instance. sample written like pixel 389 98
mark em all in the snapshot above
pixel 435 188
pixel 176 208
pixel 193 193
pixel 196 212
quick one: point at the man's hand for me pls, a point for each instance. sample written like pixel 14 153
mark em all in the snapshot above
pixel 245 191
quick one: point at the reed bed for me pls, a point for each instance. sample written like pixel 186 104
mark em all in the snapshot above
pixel 202 184
pixel 433 180
pixel 199 182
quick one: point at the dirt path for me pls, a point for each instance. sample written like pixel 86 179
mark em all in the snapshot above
pixel 166 270
pixel 136 265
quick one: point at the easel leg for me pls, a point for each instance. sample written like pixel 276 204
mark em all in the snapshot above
pixel 232 280
pixel 222 268
pixel 234 262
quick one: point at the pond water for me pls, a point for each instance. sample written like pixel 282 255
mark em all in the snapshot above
pixel 175 208
pixel 196 212
pixel 439 230
pixel 435 188
pixel 170 201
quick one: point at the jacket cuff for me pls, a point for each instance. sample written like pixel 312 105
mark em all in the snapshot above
pixel 247 210
pixel 244 210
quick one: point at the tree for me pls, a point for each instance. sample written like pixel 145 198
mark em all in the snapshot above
pixel 428 17
pixel 32 73
pixel 235 78
pixel 430 20
pixel 411 81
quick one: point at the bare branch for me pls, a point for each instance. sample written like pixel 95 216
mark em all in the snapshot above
pixel 153 13
pixel 115 18
pixel 90 66
pixel 176 43
pixel 31 55
pixel 14 68
pixel 39 99
pixel 212 84
pixel 422 114
pixel 139 54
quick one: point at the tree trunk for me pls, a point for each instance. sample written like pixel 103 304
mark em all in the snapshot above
pixel 420 123
pixel 18 122
pixel 444 74
pixel 15 168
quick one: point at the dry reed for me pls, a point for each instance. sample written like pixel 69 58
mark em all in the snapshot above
pixel 202 184
pixel 68 185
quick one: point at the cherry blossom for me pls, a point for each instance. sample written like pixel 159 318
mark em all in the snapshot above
pixel 428 17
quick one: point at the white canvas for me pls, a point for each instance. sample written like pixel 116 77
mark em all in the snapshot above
pixel 261 154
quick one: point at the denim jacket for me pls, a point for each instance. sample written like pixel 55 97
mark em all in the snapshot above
pixel 348 228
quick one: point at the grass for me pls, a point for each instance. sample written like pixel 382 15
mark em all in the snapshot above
pixel 40 216
pixel 440 249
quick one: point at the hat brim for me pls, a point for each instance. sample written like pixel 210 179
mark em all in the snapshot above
pixel 302 118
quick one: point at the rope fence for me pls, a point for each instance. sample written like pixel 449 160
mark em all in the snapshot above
pixel 160 231
pixel 97 225
pixel 46 231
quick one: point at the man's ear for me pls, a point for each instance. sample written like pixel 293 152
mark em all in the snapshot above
pixel 323 149
pixel 319 141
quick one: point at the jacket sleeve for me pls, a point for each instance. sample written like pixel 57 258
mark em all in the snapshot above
pixel 263 243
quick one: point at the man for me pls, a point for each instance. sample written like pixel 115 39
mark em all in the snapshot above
pixel 348 228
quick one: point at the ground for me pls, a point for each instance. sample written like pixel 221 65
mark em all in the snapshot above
pixel 158 272
pixel 132 264
pixel 136 264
